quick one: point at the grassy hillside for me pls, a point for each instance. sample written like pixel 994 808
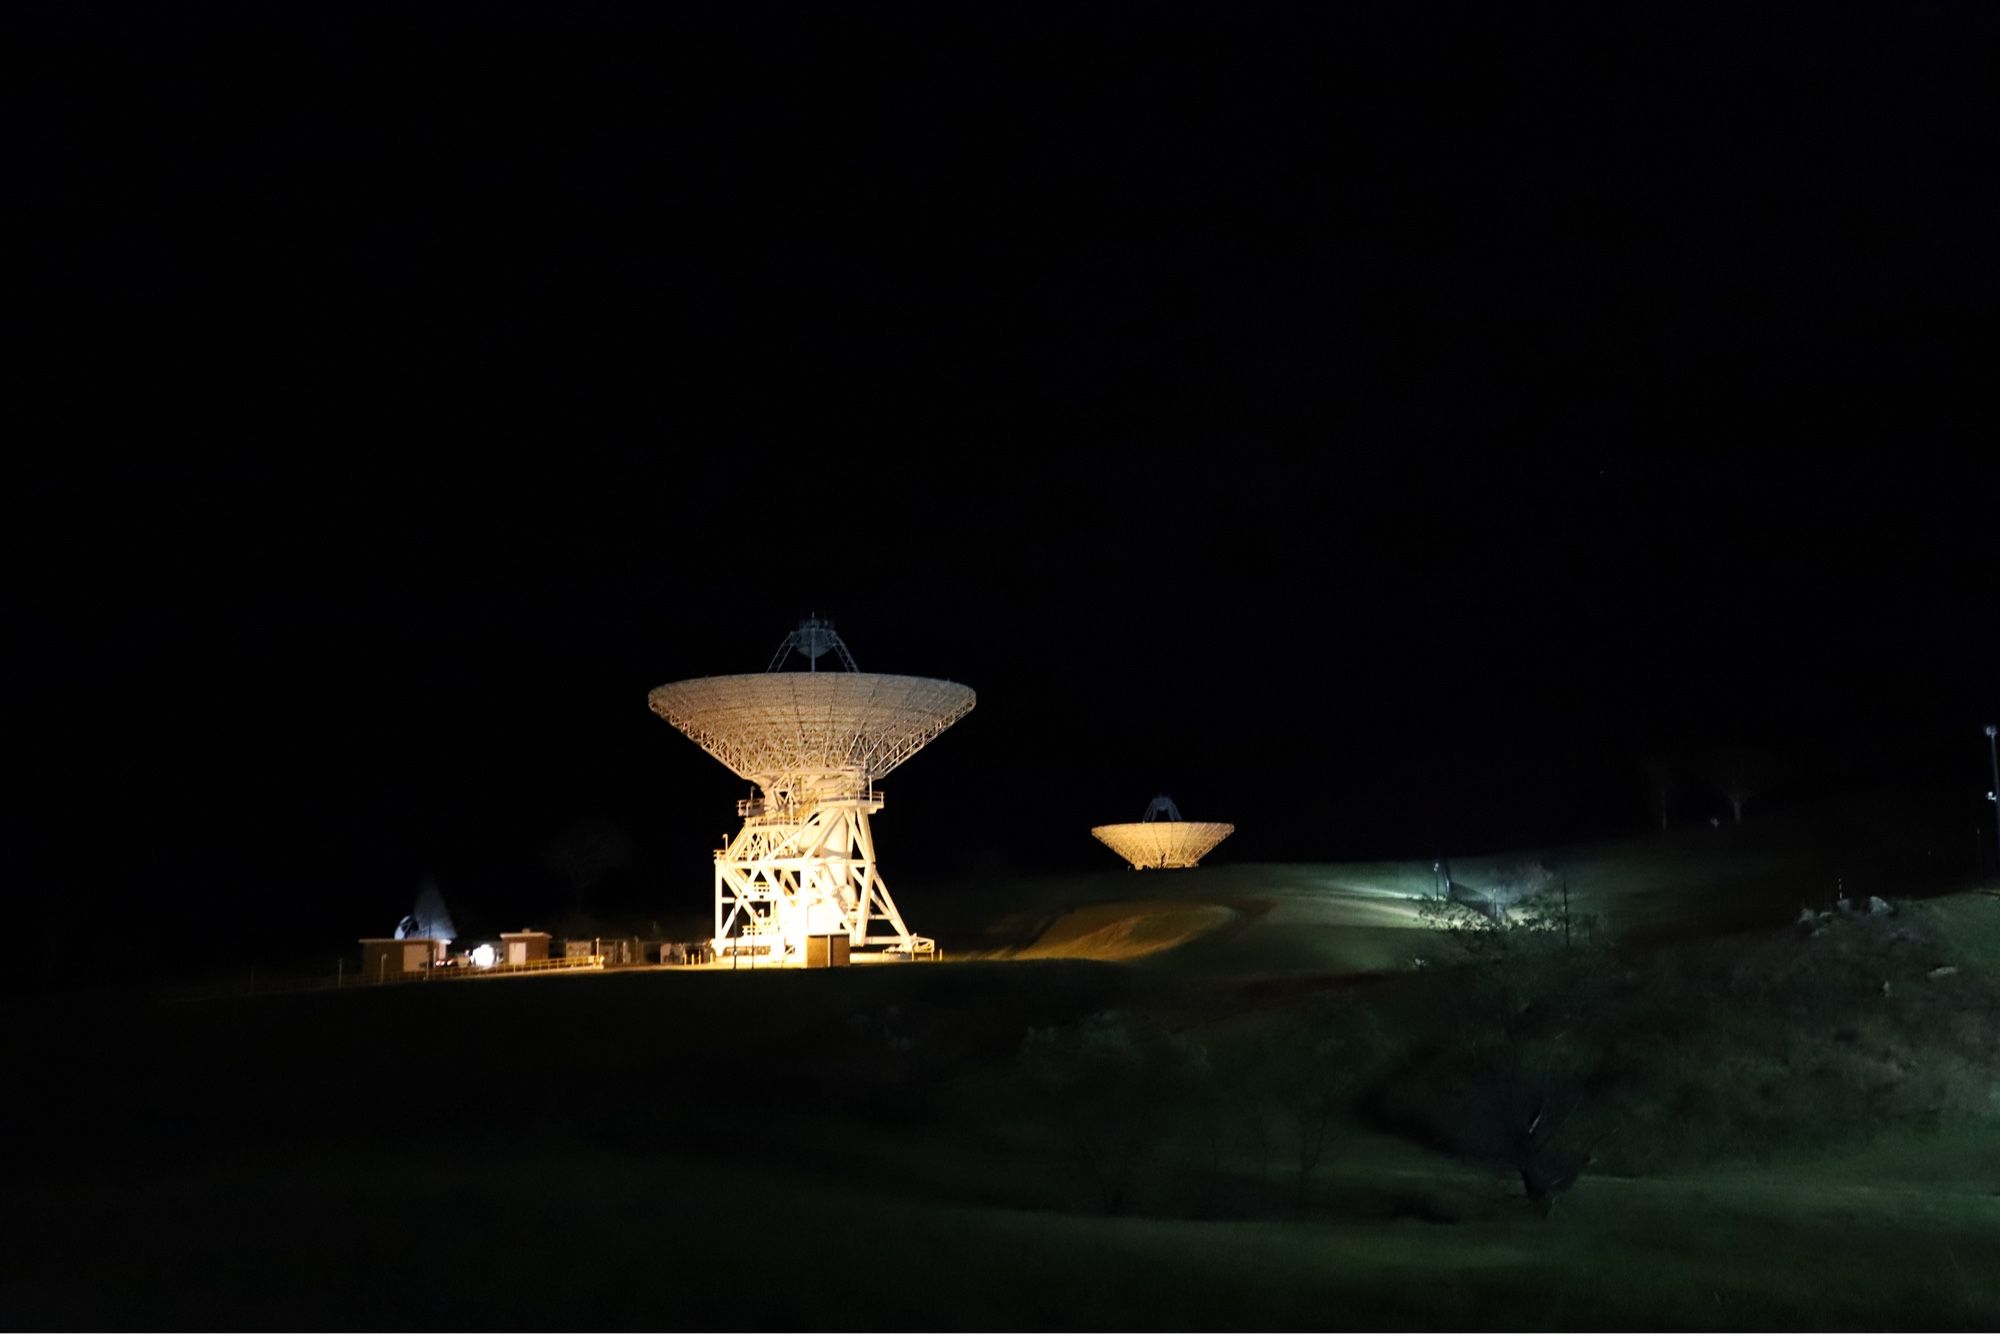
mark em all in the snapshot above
pixel 1094 1114
pixel 1357 917
pixel 559 1236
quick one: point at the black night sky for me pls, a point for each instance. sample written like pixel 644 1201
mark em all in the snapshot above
pixel 1383 426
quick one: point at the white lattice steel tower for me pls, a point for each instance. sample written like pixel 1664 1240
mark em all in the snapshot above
pixel 1163 844
pixel 815 744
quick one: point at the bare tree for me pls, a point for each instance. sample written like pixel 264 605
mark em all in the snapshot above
pixel 1496 890
pixel 1528 1006
pixel 1741 774
pixel 584 852
pixel 1304 1075
pixel 1113 1082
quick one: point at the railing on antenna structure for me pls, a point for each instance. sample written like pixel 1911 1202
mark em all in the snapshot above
pixel 757 808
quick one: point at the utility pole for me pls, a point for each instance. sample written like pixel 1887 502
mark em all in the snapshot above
pixel 1993 756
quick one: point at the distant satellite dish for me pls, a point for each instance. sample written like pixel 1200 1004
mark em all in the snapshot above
pixel 1154 844
pixel 429 920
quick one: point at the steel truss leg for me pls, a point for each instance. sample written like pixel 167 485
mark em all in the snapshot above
pixel 811 872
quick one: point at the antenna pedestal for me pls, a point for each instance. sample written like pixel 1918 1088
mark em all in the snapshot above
pixel 807 869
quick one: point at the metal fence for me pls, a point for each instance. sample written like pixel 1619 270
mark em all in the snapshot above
pixel 454 972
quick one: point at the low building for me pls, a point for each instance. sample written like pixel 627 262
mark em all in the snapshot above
pixel 385 959
pixel 616 951
pixel 518 947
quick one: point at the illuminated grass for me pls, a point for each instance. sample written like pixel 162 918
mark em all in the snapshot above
pixel 1294 918
pixel 1126 930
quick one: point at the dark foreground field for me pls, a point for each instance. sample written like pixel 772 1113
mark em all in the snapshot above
pixel 1799 1133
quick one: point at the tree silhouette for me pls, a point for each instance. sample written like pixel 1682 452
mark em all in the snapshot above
pixel 1528 1000
pixel 1740 774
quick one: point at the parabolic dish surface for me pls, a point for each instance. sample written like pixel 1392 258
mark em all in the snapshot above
pixel 1163 843
pixel 766 726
